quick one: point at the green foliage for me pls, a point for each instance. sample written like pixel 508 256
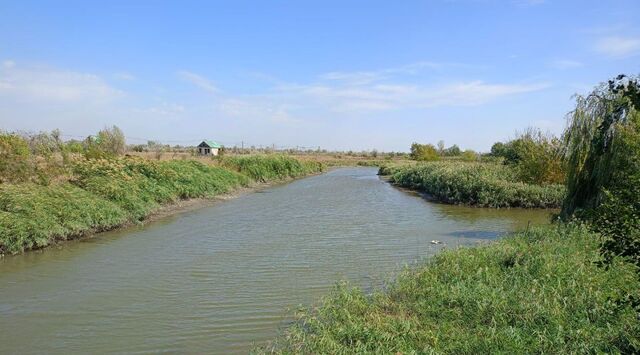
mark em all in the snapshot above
pixel 499 149
pixel 535 156
pixel 595 150
pixel 424 152
pixel 270 167
pixel 74 146
pixel 481 184
pixel 535 292
pixel 469 155
pixel 110 142
pixel 33 216
pixel 452 151
pixel 603 149
pixel 14 158
pixel 106 193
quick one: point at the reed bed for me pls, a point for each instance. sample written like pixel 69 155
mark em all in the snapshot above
pixel 478 184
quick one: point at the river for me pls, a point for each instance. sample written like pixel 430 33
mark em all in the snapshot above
pixel 228 277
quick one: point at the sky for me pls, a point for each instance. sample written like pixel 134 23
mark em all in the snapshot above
pixel 340 75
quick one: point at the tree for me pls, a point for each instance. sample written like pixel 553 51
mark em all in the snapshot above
pixel 469 155
pixel 424 152
pixel 499 149
pixel 109 142
pixel 441 147
pixel 594 144
pixel 452 151
pixel 603 154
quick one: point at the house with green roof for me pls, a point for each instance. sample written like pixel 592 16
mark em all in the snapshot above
pixel 208 147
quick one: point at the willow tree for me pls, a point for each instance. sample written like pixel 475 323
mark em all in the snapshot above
pixel 597 153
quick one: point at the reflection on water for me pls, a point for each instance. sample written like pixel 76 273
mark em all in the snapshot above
pixel 227 277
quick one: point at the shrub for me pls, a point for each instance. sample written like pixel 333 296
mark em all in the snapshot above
pixel 535 156
pixel 14 158
pixel 480 184
pixel 469 155
pixel 424 152
pixel 270 167
pixel 109 142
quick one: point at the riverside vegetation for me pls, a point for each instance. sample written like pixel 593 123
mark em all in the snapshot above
pixel 102 190
pixel 480 184
pixel 573 287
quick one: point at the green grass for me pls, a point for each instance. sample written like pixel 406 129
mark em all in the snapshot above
pixel 480 184
pixel 107 193
pixel 270 167
pixel 534 292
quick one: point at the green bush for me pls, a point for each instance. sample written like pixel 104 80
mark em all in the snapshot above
pixel 33 216
pixel 536 157
pixel 270 167
pixel 14 158
pixel 481 184
pixel 536 292
pixel 424 152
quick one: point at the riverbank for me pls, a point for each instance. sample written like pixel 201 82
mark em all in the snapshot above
pixel 105 194
pixel 539 291
pixel 477 184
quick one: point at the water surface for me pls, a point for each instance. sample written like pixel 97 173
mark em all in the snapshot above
pixel 227 277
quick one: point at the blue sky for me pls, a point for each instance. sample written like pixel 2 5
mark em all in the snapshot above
pixel 337 74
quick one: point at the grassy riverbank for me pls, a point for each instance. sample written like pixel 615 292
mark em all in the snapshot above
pixel 102 194
pixel 534 292
pixel 479 184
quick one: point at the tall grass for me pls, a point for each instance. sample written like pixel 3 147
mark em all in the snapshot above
pixel 271 167
pixel 480 184
pixel 106 193
pixel 534 292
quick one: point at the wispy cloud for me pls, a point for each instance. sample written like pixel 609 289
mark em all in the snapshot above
pixel 47 84
pixel 366 77
pixel 618 46
pixel 199 81
pixel 377 97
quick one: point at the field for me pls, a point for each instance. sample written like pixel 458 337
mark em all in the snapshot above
pixel 478 184
pixel 102 194
pixel 539 291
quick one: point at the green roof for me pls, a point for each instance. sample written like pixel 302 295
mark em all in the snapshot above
pixel 211 144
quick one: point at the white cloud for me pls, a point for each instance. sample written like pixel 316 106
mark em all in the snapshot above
pixel 199 81
pixel 379 97
pixel 47 84
pixel 367 77
pixel 616 46
pixel 566 64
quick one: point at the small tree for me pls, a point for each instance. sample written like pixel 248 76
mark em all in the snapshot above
pixel 441 147
pixel 469 155
pixel 424 152
pixel 452 151
pixel 109 142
